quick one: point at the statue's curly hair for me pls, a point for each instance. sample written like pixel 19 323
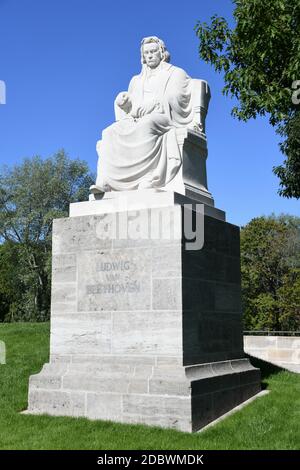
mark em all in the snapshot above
pixel 164 53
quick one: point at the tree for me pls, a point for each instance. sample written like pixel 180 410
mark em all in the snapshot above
pixel 260 61
pixel 10 286
pixel 31 196
pixel 270 263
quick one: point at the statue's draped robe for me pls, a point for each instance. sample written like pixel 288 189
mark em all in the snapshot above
pixel 146 148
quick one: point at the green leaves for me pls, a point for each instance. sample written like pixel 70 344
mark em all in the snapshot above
pixel 289 172
pixel 260 58
pixel 215 39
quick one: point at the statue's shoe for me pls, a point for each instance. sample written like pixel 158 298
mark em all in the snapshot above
pixel 94 189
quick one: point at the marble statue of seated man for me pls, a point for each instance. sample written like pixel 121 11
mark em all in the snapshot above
pixel 140 149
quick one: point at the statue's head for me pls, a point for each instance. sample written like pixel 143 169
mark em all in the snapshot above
pixel 153 51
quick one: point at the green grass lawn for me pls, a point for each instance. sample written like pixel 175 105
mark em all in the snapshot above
pixel 270 422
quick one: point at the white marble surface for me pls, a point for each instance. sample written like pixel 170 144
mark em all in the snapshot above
pixel 116 201
pixel 142 149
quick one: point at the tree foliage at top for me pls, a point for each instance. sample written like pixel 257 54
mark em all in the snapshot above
pixel 260 59
pixel 31 196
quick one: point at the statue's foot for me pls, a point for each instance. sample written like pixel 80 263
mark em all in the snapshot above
pixel 95 189
pixel 156 180
pixel 97 192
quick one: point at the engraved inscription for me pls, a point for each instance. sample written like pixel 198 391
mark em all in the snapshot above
pixel 114 286
pixel 114 280
pixel 113 266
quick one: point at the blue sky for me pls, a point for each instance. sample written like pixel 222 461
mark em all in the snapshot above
pixel 64 61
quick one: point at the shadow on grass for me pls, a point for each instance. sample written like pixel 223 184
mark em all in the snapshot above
pixel 266 368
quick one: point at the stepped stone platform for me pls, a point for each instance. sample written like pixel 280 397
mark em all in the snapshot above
pixel 144 330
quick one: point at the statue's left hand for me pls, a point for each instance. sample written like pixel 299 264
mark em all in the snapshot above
pixel 196 126
pixel 147 109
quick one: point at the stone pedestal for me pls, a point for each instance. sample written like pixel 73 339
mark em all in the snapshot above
pixel 144 330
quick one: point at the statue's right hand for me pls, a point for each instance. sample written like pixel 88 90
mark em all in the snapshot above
pixel 123 100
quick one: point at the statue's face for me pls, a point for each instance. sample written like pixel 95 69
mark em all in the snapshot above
pixel 151 54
